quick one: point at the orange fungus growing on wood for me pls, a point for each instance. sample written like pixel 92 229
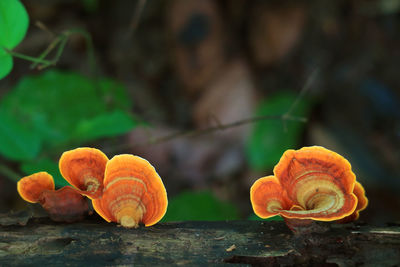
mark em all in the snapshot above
pixel 84 168
pixel 31 187
pixel 133 192
pixel 268 197
pixel 65 204
pixel 309 183
pixel 361 204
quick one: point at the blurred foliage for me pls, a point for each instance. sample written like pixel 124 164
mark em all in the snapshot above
pixel 17 142
pixel 382 6
pixel 90 5
pixel 204 206
pixel 59 110
pixel 46 114
pixel 254 217
pixel 105 125
pixel 14 22
pixel 270 138
pixel 65 108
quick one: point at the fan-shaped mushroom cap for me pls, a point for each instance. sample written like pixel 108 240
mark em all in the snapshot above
pixel 65 204
pixel 361 204
pixel 317 181
pixel 84 168
pixel 31 187
pixel 310 161
pixel 133 192
pixel 268 198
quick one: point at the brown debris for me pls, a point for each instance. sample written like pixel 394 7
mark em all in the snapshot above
pixel 231 248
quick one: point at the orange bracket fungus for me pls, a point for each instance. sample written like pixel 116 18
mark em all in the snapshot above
pixel 133 192
pixel 84 168
pixel 311 183
pixel 361 204
pixel 65 204
pixel 31 188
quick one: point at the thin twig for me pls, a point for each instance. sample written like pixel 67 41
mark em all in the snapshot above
pixel 50 48
pixel 63 41
pixel 222 127
pixel 9 173
pixel 60 41
pixel 307 85
pixel 25 57
pixel 287 116
pixel 136 17
pixel 193 133
pixel 44 28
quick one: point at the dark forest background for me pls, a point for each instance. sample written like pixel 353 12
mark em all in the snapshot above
pixel 156 68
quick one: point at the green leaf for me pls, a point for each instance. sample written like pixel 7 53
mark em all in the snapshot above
pixel 14 23
pixel 46 165
pixel 17 142
pixel 114 94
pixel 106 125
pixel 199 206
pixel 66 108
pixel 6 63
pixel 269 139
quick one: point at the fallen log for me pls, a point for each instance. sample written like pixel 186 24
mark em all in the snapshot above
pixel 95 243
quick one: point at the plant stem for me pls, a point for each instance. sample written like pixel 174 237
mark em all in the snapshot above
pixel 9 173
pixel 52 45
pixel 28 58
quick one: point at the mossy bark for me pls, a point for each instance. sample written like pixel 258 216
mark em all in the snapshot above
pixel 96 243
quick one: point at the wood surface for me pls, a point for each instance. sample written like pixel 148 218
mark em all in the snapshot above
pixel 26 241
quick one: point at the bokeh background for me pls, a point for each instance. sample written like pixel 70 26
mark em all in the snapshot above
pixel 157 68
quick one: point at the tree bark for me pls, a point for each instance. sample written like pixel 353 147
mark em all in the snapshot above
pixel 95 243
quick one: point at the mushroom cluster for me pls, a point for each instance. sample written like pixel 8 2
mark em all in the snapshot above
pixel 83 168
pixel 310 183
pixel 63 205
pixel 125 189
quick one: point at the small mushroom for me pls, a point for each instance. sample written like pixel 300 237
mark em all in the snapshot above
pixel 133 192
pixel 84 168
pixel 310 183
pixel 63 205
pixel 31 187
